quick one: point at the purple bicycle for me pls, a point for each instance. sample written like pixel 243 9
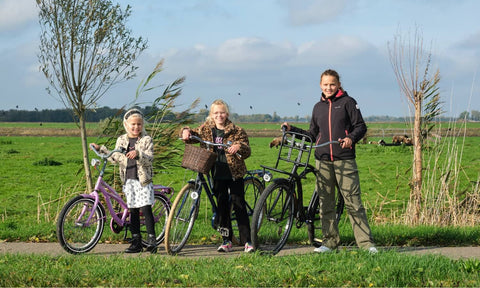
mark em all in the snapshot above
pixel 81 222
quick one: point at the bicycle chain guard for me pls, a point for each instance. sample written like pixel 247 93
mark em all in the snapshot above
pixel 114 225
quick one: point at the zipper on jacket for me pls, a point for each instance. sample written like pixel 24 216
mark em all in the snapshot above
pixel 330 128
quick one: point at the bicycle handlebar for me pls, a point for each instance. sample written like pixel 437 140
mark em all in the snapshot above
pixel 208 143
pixel 316 146
pixel 284 131
pixel 105 156
pixel 326 143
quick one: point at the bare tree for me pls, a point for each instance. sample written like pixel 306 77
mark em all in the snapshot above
pixel 411 66
pixel 85 48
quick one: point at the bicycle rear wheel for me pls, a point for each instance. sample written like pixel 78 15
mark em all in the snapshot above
pixel 182 216
pixel 80 225
pixel 314 224
pixel 253 188
pixel 161 210
pixel 272 218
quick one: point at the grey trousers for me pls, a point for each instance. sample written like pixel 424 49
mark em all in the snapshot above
pixel 341 174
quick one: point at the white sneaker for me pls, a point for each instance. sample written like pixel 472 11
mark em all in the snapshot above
pixel 248 247
pixel 322 249
pixel 225 247
pixel 372 250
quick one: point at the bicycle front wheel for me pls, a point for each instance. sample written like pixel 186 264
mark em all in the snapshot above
pixel 182 216
pixel 80 225
pixel 161 210
pixel 272 218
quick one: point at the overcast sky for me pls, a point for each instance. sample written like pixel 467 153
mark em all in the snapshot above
pixel 266 56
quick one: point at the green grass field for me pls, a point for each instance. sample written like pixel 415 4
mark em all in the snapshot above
pixel 33 193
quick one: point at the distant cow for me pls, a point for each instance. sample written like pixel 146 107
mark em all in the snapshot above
pixel 276 142
pixel 381 142
pixel 399 139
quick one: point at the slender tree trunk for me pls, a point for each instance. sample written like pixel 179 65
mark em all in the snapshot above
pixel 416 195
pixel 86 161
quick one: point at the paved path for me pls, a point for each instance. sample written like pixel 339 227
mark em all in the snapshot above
pixel 54 249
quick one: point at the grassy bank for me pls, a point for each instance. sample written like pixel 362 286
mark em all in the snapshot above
pixel 346 268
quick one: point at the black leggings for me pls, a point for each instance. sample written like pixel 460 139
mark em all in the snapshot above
pixel 135 220
pixel 237 198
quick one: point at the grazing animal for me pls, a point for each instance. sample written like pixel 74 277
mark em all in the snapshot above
pixel 398 139
pixel 277 141
pixel 381 142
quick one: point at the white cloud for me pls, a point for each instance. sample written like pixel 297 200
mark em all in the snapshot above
pixel 337 50
pixel 16 13
pixel 253 52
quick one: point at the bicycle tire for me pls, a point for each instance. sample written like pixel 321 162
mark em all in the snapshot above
pixel 183 213
pixel 253 188
pixel 314 223
pixel 273 217
pixel 73 233
pixel 160 210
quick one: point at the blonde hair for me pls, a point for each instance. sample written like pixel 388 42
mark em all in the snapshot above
pixel 218 102
pixel 134 112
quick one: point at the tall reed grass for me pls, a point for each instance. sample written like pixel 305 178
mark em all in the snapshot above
pixel 444 202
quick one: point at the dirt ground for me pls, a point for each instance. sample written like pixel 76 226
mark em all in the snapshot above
pixel 54 249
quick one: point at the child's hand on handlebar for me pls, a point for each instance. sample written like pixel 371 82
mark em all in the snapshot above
pixel 345 142
pixel 185 134
pixel 285 126
pixel 95 146
pixel 233 149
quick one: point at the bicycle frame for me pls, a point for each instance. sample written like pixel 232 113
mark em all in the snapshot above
pixel 205 183
pixel 109 193
pixel 185 207
pixel 87 211
pixel 295 155
pixel 299 147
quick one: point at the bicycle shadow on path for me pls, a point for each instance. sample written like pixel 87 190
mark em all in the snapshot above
pixel 54 249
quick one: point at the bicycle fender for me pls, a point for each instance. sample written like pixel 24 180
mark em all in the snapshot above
pixel 281 181
pixel 87 196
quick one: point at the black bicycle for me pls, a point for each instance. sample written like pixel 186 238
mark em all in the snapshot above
pixel 185 207
pixel 282 201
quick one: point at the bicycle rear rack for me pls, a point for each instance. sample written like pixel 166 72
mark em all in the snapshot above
pixel 295 148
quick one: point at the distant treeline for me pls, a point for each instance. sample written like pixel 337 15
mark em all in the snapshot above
pixel 66 115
